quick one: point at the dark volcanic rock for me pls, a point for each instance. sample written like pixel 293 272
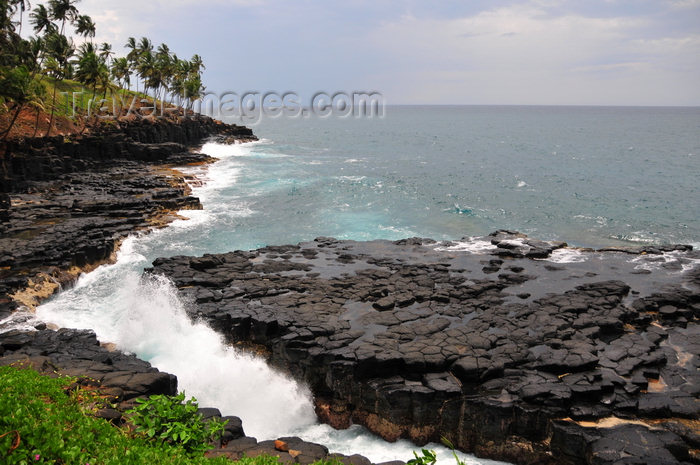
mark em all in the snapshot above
pixel 78 353
pixel 67 204
pixel 414 339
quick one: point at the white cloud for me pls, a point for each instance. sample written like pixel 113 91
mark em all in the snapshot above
pixel 524 54
pixel 685 4
pixel 118 20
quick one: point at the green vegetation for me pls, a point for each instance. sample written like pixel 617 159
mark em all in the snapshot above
pixel 170 419
pixel 428 458
pixel 33 71
pixel 48 420
pixel 42 422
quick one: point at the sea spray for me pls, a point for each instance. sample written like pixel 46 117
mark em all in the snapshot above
pixel 145 316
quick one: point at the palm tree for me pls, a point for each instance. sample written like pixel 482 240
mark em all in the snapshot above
pixel 104 81
pixel 16 64
pixel 15 85
pixel 60 49
pixel 163 69
pixel 146 62
pixel 63 10
pixel 193 90
pixel 36 48
pixel 37 100
pixel 23 5
pixel 89 68
pixel 106 52
pixel 133 57
pixel 145 45
pixel 121 72
pixel 87 47
pixel 41 20
pixel 197 64
pixel 177 79
pixel 85 27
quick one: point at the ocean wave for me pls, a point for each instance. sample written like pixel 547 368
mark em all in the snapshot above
pixel 471 245
pixel 566 255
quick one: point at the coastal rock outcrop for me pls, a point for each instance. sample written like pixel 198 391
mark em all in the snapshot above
pixel 66 203
pixel 523 350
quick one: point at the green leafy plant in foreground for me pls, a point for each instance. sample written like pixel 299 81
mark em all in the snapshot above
pixel 43 423
pixel 173 420
pixel 451 446
pixel 428 458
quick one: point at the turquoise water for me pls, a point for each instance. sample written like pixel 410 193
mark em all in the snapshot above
pixel 591 176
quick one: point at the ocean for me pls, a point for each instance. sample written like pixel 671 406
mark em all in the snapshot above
pixel 590 176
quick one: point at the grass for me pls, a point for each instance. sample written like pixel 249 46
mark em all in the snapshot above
pixel 73 104
pixel 44 422
pixel 73 96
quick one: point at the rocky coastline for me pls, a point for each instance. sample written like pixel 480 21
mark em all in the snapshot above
pixel 66 202
pixel 523 350
pixel 511 349
pixel 123 378
pixel 66 205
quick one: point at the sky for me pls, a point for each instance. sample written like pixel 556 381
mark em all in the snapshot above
pixel 547 52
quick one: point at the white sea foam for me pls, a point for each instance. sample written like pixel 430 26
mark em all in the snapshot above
pixel 472 245
pixel 22 320
pixel 566 255
pixel 663 261
pixel 144 315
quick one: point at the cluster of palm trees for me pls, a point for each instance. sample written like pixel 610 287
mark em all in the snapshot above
pixel 161 71
pixel 52 52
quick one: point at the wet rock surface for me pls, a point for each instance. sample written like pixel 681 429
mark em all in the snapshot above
pixel 78 353
pixel 516 349
pixel 69 203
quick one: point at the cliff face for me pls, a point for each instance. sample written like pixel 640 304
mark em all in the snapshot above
pixel 43 159
pixel 65 203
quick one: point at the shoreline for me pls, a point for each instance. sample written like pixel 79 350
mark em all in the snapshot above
pixel 126 377
pixel 63 190
pixel 338 411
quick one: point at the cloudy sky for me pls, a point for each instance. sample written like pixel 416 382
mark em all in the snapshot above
pixel 590 52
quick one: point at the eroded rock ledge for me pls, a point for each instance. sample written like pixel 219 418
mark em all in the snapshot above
pixel 66 204
pixel 521 350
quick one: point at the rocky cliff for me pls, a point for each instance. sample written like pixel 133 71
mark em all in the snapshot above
pixel 65 203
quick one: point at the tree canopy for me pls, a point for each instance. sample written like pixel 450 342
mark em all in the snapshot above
pixel 28 66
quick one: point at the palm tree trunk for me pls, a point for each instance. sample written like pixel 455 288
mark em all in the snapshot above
pixel 53 109
pixel 36 122
pixel 12 122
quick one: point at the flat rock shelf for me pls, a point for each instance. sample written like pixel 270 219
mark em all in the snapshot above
pixel 512 348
